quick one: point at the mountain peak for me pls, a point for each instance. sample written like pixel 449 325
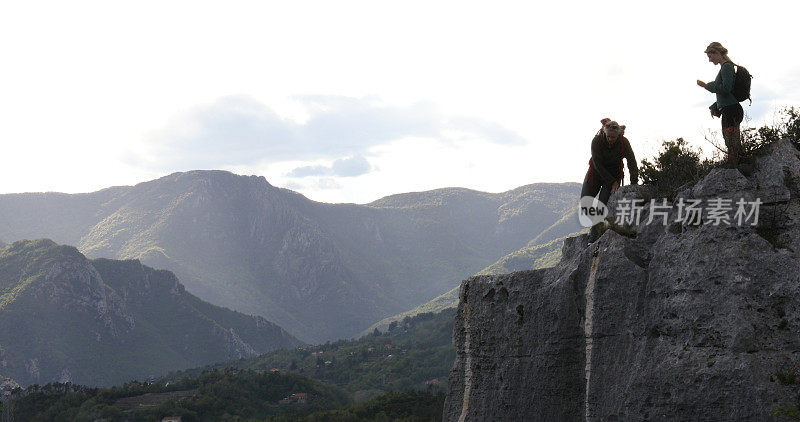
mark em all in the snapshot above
pixel 321 271
pixel 218 175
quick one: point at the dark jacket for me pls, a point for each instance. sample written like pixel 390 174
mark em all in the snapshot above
pixel 723 86
pixel 607 158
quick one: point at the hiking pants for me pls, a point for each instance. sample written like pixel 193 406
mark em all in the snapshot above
pixel 592 185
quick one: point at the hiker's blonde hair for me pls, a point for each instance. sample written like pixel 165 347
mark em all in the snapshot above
pixel 716 47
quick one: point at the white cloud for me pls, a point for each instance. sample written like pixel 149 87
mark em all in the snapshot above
pixel 241 131
pixel 345 167
pixel 266 88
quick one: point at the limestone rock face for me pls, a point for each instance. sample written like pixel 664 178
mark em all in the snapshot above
pixel 683 322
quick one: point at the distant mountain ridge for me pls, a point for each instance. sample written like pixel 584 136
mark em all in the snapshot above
pixel 99 322
pixel 322 271
pixel 532 256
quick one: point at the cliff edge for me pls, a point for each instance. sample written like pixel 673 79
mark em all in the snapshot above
pixel 688 320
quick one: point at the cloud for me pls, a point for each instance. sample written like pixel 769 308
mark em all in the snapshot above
pixel 320 184
pixel 486 130
pixel 309 171
pixel 231 131
pixel 241 131
pixel 351 167
pixel 345 167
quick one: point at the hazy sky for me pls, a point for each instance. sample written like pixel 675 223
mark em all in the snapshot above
pixel 351 101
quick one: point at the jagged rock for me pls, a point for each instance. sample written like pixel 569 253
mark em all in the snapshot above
pixel 723 183
pixel 682 322
pixel 778 172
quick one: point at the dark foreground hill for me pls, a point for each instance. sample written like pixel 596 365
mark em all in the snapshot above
pixel 218 396
pixel 66 318
pixel 414 354
pixel 322 271
pixel 211 396
pixel 419 356
pixel 691 320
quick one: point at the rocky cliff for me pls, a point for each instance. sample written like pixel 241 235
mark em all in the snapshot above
pixel 688 320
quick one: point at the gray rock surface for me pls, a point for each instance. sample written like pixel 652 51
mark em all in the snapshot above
pixel 685 322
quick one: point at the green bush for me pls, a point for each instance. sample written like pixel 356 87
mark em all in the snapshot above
pixel 786 126
pixel 788 377
pixel 787 413
pixel 407 406
pixel 676 165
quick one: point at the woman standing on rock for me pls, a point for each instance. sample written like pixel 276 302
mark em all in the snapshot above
pixel 726 105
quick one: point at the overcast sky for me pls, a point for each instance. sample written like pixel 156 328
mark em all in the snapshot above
pixel 351 101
